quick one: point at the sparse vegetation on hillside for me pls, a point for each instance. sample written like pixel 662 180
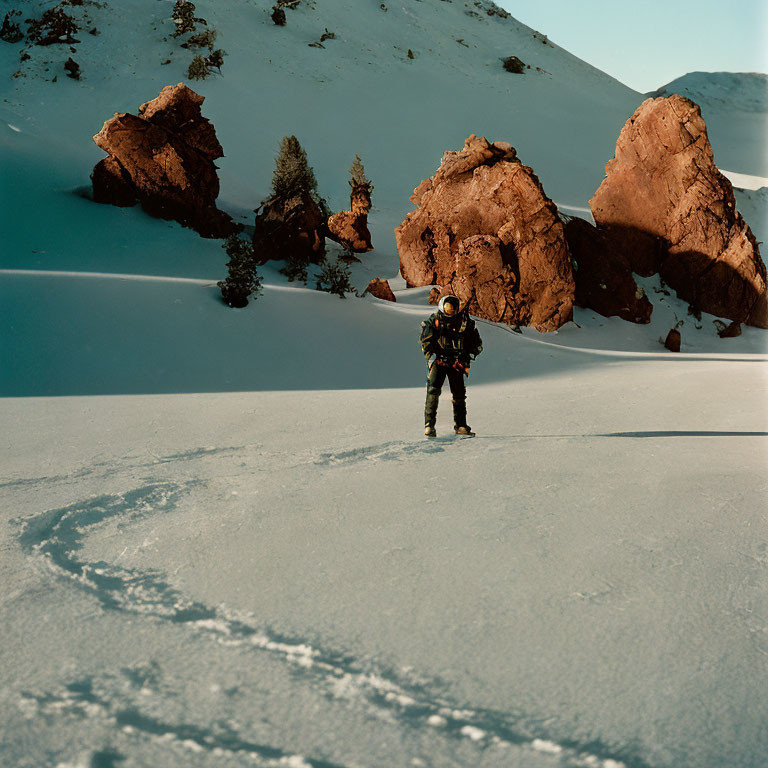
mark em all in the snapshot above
pixel 514 65
pixel 198 69
pixel 184 17
pixel 335 278
pixel 54 26
pixel 242 281
pixel 11 32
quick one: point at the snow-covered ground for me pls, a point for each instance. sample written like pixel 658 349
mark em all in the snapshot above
pixel 223 539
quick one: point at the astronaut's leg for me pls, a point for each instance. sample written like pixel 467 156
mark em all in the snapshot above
pixel 435 380
pixel 459 394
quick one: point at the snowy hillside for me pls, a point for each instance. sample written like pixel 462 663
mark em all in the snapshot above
pixel 723 91
pixel 223 538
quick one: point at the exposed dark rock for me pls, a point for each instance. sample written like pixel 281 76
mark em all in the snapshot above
pixel 603 276
pixel 672 342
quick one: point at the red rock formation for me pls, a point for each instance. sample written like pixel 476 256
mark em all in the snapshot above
pixel 669 209
pixel 380 289
pixel 603 276
pixel 164 159
pixel 485 230
pixel 350 228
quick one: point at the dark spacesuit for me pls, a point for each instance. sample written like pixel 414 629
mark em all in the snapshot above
pixel 451 336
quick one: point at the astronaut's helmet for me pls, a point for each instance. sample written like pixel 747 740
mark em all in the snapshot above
pixel 448 305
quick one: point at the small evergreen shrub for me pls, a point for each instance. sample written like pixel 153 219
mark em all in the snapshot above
pixel 295 269
pixel 11 32
pixel 204 39
pixel 293 175
pixel 514 65
pixel 184 17
pixel 215 59
pixel 198 69
pixel 242 280
pixel 335 278
pixel 358 178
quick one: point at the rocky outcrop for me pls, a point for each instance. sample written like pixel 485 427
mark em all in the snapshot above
pixel 163 158
pixel 350 228
pixel 669 210
pixel 292 229
pixel 486 231
pixel 603 276
pixel 380 289
pixel 673 340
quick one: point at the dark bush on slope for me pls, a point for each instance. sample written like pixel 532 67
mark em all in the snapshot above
pixel 242 280
pixel 55 26
pixel 11 32
pixel 335 278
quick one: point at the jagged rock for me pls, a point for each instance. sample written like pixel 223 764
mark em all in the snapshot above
pixel 434 296
pixel 485 230
pixel 380 289
pixel 672 342
pixel 604 280
pixel 166 155
pixel 292 229
pixel 729 331
pixel 350 230
pixel 669 209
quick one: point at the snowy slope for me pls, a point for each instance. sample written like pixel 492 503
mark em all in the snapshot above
pixel 723 91
pixel 223 541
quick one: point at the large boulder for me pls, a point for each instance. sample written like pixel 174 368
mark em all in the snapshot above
pixel 604 280
pixel 485 230
pixel 164 158
pixel 666 206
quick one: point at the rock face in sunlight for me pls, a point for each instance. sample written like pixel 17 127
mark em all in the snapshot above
pixel 350 228
pixel 380 289
pixel 604 280
pixel 668 208
pixel 486 230
pixel 164 159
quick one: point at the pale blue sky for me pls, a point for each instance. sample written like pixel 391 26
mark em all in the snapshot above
pixel 646 44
